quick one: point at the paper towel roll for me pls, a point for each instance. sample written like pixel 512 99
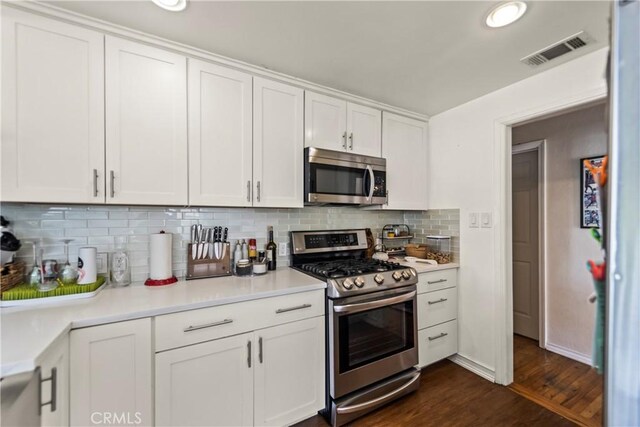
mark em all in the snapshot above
pixel 160 256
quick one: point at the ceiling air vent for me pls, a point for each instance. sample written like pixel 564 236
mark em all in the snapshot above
pixel 557 49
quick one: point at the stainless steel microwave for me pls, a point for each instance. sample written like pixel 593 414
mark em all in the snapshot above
pixel 335 177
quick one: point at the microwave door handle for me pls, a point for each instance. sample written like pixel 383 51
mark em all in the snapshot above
pixel 372 184
pixel 365 191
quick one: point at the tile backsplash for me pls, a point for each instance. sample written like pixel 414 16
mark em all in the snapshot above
pixel 98 225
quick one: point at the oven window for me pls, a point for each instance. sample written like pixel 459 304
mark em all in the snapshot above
pixel 372 335
pixel 327 179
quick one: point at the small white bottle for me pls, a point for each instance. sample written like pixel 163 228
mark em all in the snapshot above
pixel 237 255
pixel 245 250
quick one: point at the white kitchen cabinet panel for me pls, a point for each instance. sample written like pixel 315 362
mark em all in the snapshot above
pixel 52 111
pixel 435 280
pixel 437 342
pixel 278 115
pixel 437 307
pixel 55 363
pixel 364 130
pixel 111 373
pixel 289 375
pixel 325 122
pixel 206 384
pixel 220 135
pixel 404 145
pixel 146 124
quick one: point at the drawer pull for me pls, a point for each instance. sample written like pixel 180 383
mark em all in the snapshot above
pixel 298 307
pixel 442 335
pixel 436 302
pixel 208 325
pixel 54 389
pixel 249 353
pixel 436 281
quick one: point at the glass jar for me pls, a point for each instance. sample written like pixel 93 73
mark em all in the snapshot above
pixel 119 268
pixel 439 249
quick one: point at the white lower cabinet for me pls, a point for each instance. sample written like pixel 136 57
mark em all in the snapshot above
pixel 54 389
pixel 437 316
pixel 111 374
pixel 206 384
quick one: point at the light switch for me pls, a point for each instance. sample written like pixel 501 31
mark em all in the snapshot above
pixel 486 220
pixel 473 220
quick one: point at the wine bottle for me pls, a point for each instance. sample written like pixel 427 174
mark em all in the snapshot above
pixel 271 251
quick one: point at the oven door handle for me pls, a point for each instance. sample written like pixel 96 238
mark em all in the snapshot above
pixel 364 306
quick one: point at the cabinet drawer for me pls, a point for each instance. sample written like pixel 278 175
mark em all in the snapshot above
pixel 437 307
pixel 437 342
pixel 289 308
pixel 435 280
pixel 205 324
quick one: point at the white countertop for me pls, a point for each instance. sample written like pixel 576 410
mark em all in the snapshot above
pixel 421 267
pixel 28 332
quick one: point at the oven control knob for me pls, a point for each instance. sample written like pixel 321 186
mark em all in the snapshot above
pixel 359 281
pixel 347 283
pixel 396 276
pixel 406 275
pixel 379 279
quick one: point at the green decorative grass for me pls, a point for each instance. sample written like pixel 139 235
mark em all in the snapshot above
pixel 25 291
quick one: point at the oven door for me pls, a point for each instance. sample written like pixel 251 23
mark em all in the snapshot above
pixel 372 337
pixel 334 177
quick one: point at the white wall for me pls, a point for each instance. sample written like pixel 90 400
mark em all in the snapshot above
pixel 569 137
pixel 466 171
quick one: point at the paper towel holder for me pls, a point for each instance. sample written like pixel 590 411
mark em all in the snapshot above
pixel 162 282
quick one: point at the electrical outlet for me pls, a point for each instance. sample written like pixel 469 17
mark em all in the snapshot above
pixel 283 249
pixel 102 266
pixel 473 220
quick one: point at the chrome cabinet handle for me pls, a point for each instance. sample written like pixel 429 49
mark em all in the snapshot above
pixel 436 302
pixel 208 325
pixel 351 141
pixel 344 140
pixel 363 306
pixel 248 191
pixel 386 198
pixel 444 334
pixel 112 178
pixel 260 349
pixel 298 307
pixel 54 387
pixel 436 281
pixel 249 353
pixel 258 185
pixel 95 183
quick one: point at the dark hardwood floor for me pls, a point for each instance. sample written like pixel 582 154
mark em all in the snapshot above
pixel 562 385
pixel 449 395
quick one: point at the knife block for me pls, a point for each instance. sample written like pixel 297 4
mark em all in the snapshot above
pixel 208 267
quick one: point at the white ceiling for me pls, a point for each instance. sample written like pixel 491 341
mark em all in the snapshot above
pixel 423 56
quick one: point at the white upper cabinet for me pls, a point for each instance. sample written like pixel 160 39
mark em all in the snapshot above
pixel 146 124
pixel 220 135
pixel 325 122
pixel 364 130
pixel 277 144
pixel 52 111
pixel 338 125
pixel 404 145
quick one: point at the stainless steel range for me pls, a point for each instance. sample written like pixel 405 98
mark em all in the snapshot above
pixel 371 321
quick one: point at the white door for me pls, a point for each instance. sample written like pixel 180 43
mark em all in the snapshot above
pixel 146 124
pixel 57 357
pixel 289 375
pixel 364 130
pixel 111 373
pixel 52 111
pixel 219 135
pixel 207 384
pixel 277 144
pixel 325 122
pixel 525 244
pixel 404 145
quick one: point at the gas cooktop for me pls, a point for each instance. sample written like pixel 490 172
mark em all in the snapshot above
pixel 345 268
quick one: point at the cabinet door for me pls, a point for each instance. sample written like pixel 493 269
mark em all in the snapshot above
pixel 52 111
pixel 57 357
pixel 289 377
pixel 206 384
pixel 111 374
pixel 277 145
pixel 146 127
pixel 325 122
pixel 364 128
pixel 404 145
pixel 219 135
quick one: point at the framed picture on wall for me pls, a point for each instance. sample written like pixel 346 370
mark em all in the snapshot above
pixel 589 202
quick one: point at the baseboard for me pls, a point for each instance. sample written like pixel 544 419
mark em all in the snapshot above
pixel 563 351
pixel 476 368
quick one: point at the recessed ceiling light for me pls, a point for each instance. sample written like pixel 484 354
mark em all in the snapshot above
pixel 505 13
pixel 172 5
